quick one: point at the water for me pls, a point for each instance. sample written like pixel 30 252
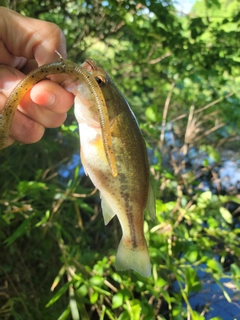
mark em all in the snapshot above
pixel 212 296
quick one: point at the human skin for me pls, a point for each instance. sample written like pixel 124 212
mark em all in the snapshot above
pixel 26 43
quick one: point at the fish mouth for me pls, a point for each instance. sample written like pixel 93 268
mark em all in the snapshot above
pixel 89 65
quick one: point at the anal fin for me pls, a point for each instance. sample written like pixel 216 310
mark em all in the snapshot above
pixel 107 211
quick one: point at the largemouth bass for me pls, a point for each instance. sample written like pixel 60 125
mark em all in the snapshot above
pixel 113 152
pixel 129 193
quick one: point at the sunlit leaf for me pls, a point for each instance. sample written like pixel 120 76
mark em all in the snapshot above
pixel 59 293
pixel 227 216
pixel 215 266
pixel 65 314
pixel 204 199
pixel 224 291
pixel 117 300
pixel 235 270
pixel 83 290
pixel 96 280
pixel 93 297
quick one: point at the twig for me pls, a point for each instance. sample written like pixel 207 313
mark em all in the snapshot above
pixel 84 195
pixel 165 112
pixel 184 115
pixel 210 130
pixel 107 283
pixel 214 102
pixel 154 61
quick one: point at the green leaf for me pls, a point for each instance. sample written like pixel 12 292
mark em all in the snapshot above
pixel 117 300
pixel 83 290
pixel 197 316
pixel 212 222
pixel 133 308
pixel 223 290
pixel 215 266
pixel 73 306
pixel 96 280
pixel 151 114
pixel 58 295
pixel 191 255
pixel 94 297
pixel 31 186
pixel 204 199
pixel 193 283
pixel 58 277
pixel 65 314
pixel 100 290
pixel 84 206
pixel 128 17
pixel 235 270
pixel 116 277
pixel 211 152
pixel 44 219
pixel 166 296
pixel 21 230
pixel 71 128
pixel 227 216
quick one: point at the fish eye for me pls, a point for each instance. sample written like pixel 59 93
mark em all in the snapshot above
pixel 100 80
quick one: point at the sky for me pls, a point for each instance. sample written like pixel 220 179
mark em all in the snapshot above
pixel 184 5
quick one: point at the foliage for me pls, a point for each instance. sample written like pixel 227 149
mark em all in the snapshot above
pixel 180 74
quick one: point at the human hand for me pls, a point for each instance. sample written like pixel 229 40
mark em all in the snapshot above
pixel 26 43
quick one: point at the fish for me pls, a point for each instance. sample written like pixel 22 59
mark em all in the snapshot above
pixel 128 194
pixel 113 152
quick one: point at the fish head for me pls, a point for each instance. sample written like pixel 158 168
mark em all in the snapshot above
pixel 90 87
pixel 87 93
pixel 114 99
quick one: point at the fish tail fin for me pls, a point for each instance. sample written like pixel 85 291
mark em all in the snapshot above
pixel 131 258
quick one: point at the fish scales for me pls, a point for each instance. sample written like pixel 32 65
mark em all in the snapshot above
pixel 125 195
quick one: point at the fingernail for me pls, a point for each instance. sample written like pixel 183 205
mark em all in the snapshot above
pixel 50 100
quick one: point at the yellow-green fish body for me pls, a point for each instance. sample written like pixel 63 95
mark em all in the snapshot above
pixel 129 193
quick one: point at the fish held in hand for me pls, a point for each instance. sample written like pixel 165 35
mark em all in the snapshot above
pixel 127 192
pixel 113 152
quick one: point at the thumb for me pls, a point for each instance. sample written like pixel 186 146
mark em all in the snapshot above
pixel 31 38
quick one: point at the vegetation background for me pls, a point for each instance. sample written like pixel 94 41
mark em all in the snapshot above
pixel 181 74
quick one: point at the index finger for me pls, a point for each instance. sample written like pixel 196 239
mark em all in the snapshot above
pixel 31 38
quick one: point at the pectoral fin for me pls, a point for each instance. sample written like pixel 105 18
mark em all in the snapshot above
pixel 107 211
pixel 151 203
